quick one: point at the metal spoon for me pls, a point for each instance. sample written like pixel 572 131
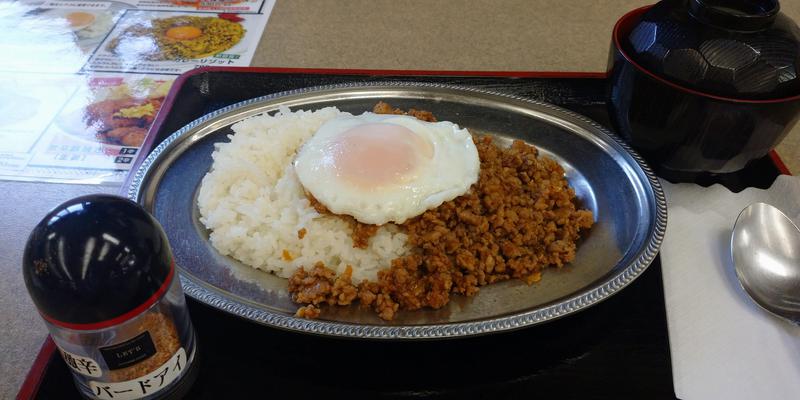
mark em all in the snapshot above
pixel 765 246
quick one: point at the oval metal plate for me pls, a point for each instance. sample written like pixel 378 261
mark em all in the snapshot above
pixel 608 177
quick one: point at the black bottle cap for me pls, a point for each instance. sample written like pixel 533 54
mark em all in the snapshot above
pixel 96 261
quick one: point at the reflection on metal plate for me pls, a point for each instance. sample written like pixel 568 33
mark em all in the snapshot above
pixel 607 176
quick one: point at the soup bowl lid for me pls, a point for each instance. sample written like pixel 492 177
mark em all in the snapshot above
pixel 745 49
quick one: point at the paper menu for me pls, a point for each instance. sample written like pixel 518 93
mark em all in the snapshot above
pixel 57 61
pixel 227 6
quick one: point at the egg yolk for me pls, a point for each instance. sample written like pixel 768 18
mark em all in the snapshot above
pixel 183 32
pixel 79 18
pixel 378 154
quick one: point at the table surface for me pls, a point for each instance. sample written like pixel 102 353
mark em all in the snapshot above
pixel 521 35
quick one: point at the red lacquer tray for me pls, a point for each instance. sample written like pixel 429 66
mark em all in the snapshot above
pixel 617 349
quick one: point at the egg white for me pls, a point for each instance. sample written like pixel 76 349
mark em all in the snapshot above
pixel 449 173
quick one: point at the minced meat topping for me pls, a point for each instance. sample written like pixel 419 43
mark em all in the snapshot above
pixel 519 218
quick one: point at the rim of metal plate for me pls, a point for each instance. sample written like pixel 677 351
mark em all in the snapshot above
pixel 214 297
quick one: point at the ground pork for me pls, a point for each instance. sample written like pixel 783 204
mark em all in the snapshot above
pixel 519 218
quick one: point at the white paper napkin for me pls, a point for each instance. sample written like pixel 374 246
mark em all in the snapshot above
pixel 723 345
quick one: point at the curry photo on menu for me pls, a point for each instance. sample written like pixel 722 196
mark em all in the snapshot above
pixel 113 110
pixel 389 210
pixel 178 37
pixel 171 42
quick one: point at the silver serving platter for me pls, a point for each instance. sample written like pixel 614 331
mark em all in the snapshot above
pixel 608 177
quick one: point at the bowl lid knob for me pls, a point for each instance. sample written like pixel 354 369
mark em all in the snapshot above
pixel 742 15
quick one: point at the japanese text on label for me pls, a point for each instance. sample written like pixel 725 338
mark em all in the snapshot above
pixel 144 386
pixel 80 364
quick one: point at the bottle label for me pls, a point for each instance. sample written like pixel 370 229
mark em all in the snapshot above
pixel 129 352
pixel 145 385
pixel 81 364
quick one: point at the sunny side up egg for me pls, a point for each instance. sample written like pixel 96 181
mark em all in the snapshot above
pixel 386 168
pixel 79 19
pixel 185 32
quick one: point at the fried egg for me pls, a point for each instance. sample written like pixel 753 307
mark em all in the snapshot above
pixel 185 32
pixel 386 168
pixel 77 20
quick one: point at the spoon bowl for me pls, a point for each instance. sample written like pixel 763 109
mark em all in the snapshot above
pixel 765 247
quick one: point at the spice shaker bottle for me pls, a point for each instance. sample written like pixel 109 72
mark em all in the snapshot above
pixel 101 273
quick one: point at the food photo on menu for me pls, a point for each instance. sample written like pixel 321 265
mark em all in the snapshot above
pixel 88 26
pixel 97 134
pixel 67 31
pixel 178 38
pixel 169 42
pixel 116 110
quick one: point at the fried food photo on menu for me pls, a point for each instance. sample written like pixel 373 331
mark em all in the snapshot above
pixel 116 111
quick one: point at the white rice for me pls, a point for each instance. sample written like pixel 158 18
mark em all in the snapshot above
pixel 254 206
